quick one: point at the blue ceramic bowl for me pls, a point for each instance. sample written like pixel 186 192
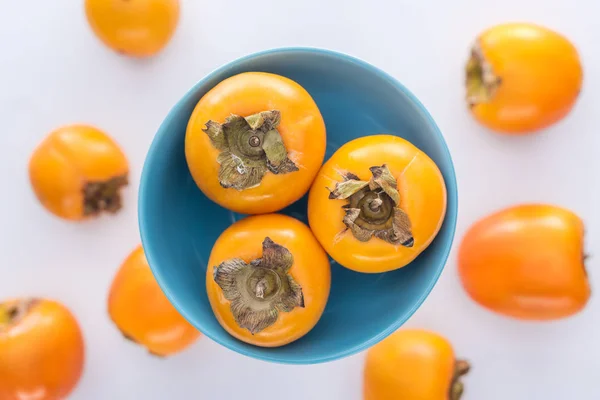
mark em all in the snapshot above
pixel 179 224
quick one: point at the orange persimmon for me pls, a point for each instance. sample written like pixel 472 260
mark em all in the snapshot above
pixel 413 364
pixel 142 312
pixel 268 280
pixel 526 262
pixel 255 142
pixel 77 172
pixel 377 203
pixel 522 77
pixel 137 28
pixel 41 350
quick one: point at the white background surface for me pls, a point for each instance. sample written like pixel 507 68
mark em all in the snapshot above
pixel 53 71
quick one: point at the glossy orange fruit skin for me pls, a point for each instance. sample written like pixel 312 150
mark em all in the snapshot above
pixel 66 160
pixel 302 129
pixel 541 76
pixel 410 364
pixel 41 357
pixel 310 270
pixel 422 196
pixel 142 312
pixel 139 28
pixel 526 262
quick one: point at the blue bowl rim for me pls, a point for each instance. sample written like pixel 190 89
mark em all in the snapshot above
pixel 357 348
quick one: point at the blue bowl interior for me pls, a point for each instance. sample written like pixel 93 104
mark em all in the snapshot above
pixel 179 224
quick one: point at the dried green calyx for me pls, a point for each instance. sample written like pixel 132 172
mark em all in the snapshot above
pixel 461 368
pixel 103 196
pixel 373 207
pixel 481 82
pixel 249 148
pixel 14 311
pixel 258 291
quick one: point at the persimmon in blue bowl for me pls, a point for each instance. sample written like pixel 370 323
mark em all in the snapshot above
pixel 179 225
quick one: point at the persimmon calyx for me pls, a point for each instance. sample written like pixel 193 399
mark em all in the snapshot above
pixel 12 312
pixel 103 196
pixel 258 291
pixel 457 388
pixel 249 147
pixel 481 82
pixel 373 207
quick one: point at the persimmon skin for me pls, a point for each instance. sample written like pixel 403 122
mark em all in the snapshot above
pixel 541 75
pixel 42 356
pixel 302 129
pixel 410 364
pixel 142 312
pixel 526 262
pixel 139 28
pixel 67 159
pixel 310 270
pixel 422 196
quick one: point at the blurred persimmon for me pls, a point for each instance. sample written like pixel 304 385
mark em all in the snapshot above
pixel 413 364
pixel 255 142
pixel 522 77
pixel 526 262
pixel 138 28
pixel 41 350
pixel 142 312
pixel 77 172
pixel 377 203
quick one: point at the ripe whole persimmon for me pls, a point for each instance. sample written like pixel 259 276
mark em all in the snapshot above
pixel 377 203
pixel 522 77
pixel 268 280
pixel 255 142
pixel 142 312
pixel 139 28
pixel 526 262
pixel 413 364
pixel 77 172
pixel 41 350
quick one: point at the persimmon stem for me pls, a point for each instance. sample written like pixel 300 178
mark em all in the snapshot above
pixel 481 82
pixel 457 388
pixel 261 286
pixel 13 312
pixel 373 207
pixel 103 196
pixel 260 290
pixel 249 148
